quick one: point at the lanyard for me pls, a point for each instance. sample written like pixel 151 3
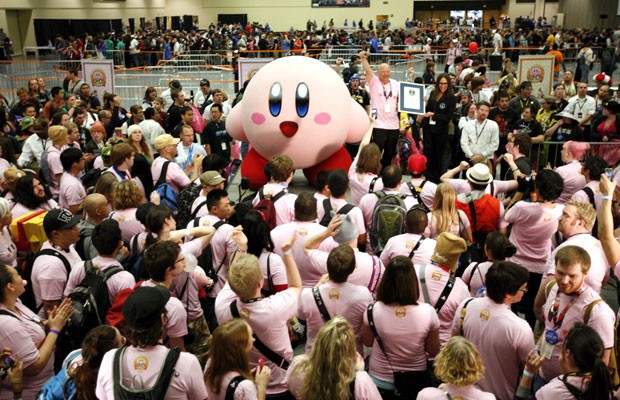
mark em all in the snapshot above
pixel 553 311
pixel 387 96
pixel 120 173
pixel 581 104
pixel 481 129
pixel 527 101
pixel 189 157
pixel 254 300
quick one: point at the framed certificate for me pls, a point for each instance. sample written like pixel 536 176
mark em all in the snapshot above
pixel 411 98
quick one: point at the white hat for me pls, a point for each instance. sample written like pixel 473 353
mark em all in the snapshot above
pixel 479 174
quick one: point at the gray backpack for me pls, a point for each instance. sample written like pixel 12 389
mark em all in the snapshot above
pixel 388 219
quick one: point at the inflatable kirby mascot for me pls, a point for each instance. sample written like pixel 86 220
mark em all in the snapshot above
pixel 300 107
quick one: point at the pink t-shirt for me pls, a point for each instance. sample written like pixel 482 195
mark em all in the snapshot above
pixel 556 389
pixel 359 184
pixel 368 202
pixel 176 326
pixel 365 388
pixel 174 176
pixel 72 191
pixel 368 269
pixel 343 299
pixel 246 390
pixel 573 180
pixel 8 250
pixel 533 226
pixel 127 221
pixel 19 209
pixel 302 231
pixel 222 246
pixel 23 335
pixel 49 275
pixel 436 281
pixel 403 330
pixel 185 288
pixel 465 393
pixel 116 283
pixel 428 190
pixel 276 268
pixel 401 245
pixel 476 279
pixel 602 320
pixel 355 213
pixel 284 206
pixel 503 339
pixel 384 97
pixel 458 227
pixel 55 166
pixel 599 268
pixel 144 364
pixel 268 318
pixel 580 195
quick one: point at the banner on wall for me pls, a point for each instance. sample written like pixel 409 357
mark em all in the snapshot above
pixel 248 67
pixel 539 71
pixel 99 74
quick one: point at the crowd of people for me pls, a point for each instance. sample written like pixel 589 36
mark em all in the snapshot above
pixel 462 255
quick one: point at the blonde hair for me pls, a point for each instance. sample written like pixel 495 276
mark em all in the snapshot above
pixel 127 195
pixel 444 208
pixel 330 368
pixel 244 276
pixel 585 212
pixel 459 363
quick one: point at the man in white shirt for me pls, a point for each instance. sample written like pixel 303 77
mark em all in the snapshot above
pixel 151 128
pixel 204 95
pixel 166 94
pixel 34 146
pixel 480 138
pixel 582 107
pixel 218 98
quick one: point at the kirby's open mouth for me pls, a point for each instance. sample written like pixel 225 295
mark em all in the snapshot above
pixel 288 128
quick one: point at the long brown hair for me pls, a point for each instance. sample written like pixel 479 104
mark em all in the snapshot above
pixel 228 353
pixel 369 160
pixel 449 91
pixel 96 343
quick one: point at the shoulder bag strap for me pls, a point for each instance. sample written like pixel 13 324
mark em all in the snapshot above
pixel 5 312
pixel 344 210
pixel 471 275
pixel 269 277
pixel 320 304
pixel 232 387
pixel 376 275
pixel 588 310
pixel 373 328
pixel 443 297
pixel 260 346
pixel 371 188
pixel 134 245
pixel 198 207
pixel 423 284
pixel 416 247
pixel 55 253
pixel 162 174
pixel 472 210
pixel 463 313
pixel 279 195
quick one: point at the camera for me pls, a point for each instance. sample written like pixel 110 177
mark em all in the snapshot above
pixel 609 173
pixel 7 361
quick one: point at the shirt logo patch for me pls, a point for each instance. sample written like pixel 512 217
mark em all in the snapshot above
pixel 436 276
pixel 334 294
pixel 400 312
pixel 244 313
pixel 547 218
pixel 485 314
pixel 141 363
pixel 303 232
pixel 410 244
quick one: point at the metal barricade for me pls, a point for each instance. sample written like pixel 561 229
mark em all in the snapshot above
pixel 549 153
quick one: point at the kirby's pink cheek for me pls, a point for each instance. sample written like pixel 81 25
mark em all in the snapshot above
pixel 321 118
pixel 258 118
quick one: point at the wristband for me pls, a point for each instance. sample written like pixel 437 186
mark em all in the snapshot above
pixel 528 374
pixel 54 331
pixel 607 197
pixel 287 252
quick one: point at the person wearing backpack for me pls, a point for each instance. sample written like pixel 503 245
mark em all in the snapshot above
pixel 164 373
pixel 502 338
pixel 335 297
pixel 592 169
pixel 228 375
pixel 267 316
pixel 209 181
pixel 413 243
pixel 174 179
pixel 369 268
pixel 566 302
pixel 96 210
pixel 419 187
pixel 338 184
pixel 281 169
pixel 438 284
pixel 72 191
pixel 24 334
pixel 377 204
pixel 51 268
pixel 51 167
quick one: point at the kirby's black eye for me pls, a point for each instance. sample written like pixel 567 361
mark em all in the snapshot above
pixel 275 99
pixel 302 99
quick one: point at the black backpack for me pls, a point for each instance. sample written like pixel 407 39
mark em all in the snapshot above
pixel 232 387
pixel 186 199
pixel 157 392
pixel 206 258
pixel 135 262
pixel 28 296
pixel 327 206
pixel 90 300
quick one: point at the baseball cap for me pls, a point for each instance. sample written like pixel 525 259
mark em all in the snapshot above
pixel 144 307
pixel 59 219
pixel 175 84
pixel 211 178
pixel 164 140
pixel 416 164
